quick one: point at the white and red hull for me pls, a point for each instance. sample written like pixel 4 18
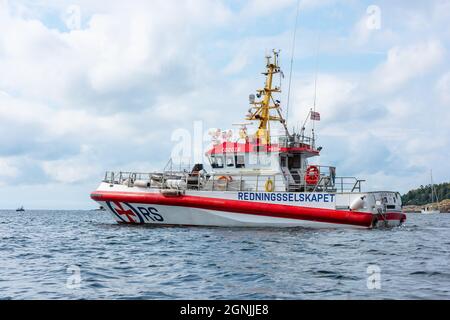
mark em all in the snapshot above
pixel 232 209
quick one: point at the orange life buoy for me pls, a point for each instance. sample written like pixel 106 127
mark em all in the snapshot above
pixel 312 175
pixel 225 178
pixel 223 182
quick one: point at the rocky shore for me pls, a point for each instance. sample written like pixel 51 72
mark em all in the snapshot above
pixel 444 206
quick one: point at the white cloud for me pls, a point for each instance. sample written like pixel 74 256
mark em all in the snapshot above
pixel 406 63
pixel 259 8
pixel 114 53
pixel 7 169
pixel 69 171
pixel 238 63
pixel 108 96
pixel 263 7
pixel 76 169
pixel 443 88
pixel 373 125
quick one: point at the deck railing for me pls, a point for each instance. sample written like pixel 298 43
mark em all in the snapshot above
pixel 183 180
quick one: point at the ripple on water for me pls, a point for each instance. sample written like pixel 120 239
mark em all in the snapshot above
pixel 123 262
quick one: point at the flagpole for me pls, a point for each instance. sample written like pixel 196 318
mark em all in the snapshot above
pixel 306 120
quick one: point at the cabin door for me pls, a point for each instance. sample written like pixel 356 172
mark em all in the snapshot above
pixel 293 166
pixel 284 164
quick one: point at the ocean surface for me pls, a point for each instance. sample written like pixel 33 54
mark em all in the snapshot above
pixel 85 255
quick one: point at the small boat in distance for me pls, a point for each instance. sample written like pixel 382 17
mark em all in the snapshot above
pixel 430 209
pixel 21 209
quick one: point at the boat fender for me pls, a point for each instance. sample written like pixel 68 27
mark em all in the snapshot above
pixel 142 183
pixel 171 192
pixel 157 178
pixel 357 204
pixel 269 186
pixel 175 184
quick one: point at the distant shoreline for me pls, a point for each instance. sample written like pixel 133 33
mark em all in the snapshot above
pixel 444 207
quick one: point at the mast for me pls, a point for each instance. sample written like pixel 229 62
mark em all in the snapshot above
pixel 292 61
pixel 433 191
pixel 261 110
pixel 432 186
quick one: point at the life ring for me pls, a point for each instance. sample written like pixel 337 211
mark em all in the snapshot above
pixel 225 178
pixel 270 187
pixel 312 175
pixel 223 182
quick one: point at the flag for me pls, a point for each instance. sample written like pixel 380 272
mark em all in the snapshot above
pixel 315 116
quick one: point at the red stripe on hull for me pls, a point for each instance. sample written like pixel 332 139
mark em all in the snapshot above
pixel 389 216
pixel 363 219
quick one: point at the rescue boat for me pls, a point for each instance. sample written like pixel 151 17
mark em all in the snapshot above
pixel 258 180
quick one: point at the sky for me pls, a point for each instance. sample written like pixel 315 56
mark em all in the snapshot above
pixel 90 86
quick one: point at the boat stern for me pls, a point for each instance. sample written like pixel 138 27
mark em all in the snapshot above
pixel 386 207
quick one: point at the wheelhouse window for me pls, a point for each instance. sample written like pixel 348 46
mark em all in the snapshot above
pixel 260 159
pixel 229 161
pixel 240 161
pixel 216 162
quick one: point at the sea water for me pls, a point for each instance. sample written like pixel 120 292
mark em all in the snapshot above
pixel 85 255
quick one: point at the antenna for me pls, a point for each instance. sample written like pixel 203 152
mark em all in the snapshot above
pixel 292 60
pixel 315 76
pixel 261 110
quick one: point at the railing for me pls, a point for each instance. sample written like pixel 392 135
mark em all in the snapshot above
pixel 349 184
pixel 232 182
pixel 286 141
pixel 329 182
pixel 248 182
pixel 180 167
pixel 295 140
pixel 326 179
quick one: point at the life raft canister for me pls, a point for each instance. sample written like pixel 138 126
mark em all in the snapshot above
pixel 312 175
pixel 269 186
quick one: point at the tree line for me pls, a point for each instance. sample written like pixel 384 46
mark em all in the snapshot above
pixel 422 195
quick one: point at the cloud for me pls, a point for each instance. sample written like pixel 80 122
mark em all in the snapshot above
pixel 72 170
pixel 259 8
pixel 114 54
pixel 108 95
pixel 7 169
pixel 443 88
pixel 237 64
pixel 406 63
pixel 376 124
